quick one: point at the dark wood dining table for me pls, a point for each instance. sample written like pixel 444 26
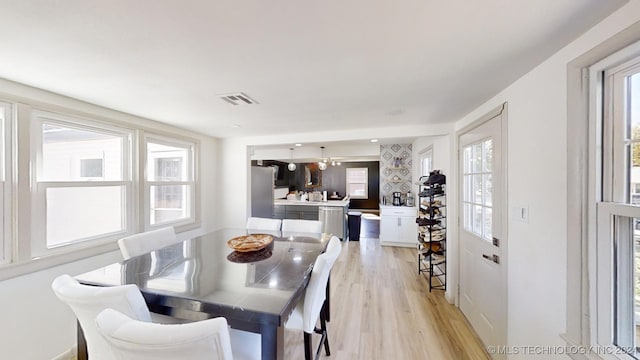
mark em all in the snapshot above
pixel 203 278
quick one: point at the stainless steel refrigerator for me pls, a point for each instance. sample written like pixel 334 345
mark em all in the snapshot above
pixel 262 185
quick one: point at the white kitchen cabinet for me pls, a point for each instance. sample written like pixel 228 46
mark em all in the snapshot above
pixel 398 226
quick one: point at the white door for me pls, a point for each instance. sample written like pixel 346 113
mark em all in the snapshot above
pixel 483 287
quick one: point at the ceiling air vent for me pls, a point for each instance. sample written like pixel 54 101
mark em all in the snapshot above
pixel 238 99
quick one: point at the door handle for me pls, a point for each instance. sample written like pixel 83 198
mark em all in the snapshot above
pixel 495 258
pixel 399 222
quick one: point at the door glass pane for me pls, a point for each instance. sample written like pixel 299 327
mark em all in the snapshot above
pixel 477 189
pixel 467 160
pixel 68 154
pixel 488 190
pixel 468 215
pixel 487 149
pixel 466 188
pixel 477 158
pixel 78 213
pixel 477 220
pixel 487 223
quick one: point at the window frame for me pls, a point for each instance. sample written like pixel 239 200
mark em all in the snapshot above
pixel 38 245
pixel 366 183
pixel 6 176
pixel 603 215
pixel 426 153
pixel 193 146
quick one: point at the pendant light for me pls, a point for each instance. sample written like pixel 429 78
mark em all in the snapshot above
pixel 292 165
pixel 323 163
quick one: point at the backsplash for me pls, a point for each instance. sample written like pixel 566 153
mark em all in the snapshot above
pixel 395 169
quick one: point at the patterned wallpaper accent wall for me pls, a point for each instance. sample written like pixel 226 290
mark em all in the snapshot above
pixel 395 169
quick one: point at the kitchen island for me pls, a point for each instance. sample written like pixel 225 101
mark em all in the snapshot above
pixel 333 213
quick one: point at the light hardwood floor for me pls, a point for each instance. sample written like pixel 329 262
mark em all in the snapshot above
pixel 381 308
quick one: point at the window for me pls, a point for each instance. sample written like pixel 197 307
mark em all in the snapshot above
pixel 426 161
pixel 5 185
pixel 478 188
pixel 83 182
pixel 358 183
pixel 170 184
pixel 91 168
pixel 617 233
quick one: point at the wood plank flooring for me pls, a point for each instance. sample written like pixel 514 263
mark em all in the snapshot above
pixel 381 308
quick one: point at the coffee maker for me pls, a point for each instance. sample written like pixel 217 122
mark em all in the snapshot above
pixel 397 198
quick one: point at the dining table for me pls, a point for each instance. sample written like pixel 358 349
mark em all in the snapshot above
pixel 204 277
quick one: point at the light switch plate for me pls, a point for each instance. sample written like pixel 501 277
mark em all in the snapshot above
pixel 520 213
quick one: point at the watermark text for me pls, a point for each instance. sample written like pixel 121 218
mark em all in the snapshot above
pixel 558 350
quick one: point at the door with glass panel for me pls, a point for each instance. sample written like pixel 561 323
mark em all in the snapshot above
pixel 483 285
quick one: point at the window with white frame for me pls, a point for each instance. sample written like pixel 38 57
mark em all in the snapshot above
pixel 82 180
pixel 426 161
pixel 478 189
pixel 5 183
pixel 615 295
pixel 358 183
pixel 170 181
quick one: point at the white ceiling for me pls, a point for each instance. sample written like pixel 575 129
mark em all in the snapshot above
pixel 311 65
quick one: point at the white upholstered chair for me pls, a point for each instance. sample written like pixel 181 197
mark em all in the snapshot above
pixel 132 339
pixel 257 223
pixel 88 301
pixel 307 313
pixel 145 242
pixel 301 226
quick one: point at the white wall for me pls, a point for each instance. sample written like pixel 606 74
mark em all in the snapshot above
pixel 35 324
pixel 537 148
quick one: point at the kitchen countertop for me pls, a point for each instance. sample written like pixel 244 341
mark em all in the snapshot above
pixel 341 203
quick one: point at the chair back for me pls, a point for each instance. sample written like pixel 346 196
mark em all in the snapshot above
pixel 257 223
pixel 145 242
pixel 315 293
pixel 132 339
pixel 301 226
pixel 88 301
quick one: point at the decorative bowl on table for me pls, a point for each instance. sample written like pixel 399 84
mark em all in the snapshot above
pixel 249 243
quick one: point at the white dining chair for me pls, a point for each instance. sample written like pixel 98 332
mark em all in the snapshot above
pixel 309 311
pixel 258 223
pixel 131 339
pixel 88 301
pixel 301 226
pixel 145 242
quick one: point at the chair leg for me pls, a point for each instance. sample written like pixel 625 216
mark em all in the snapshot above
pixel 325 335
pixel 308 352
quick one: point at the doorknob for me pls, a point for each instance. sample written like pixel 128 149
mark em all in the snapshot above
pixel 495 258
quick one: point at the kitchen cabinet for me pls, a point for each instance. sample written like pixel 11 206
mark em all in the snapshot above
pixel 398 226
pixel 301 212
pixel 304 212
pixel 279 211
